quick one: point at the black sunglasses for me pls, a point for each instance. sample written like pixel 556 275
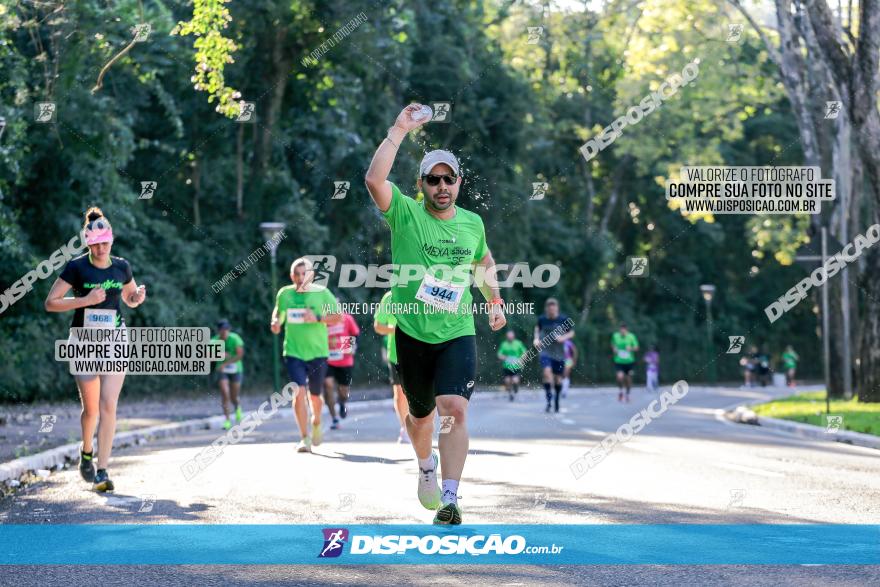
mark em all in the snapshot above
pixel 433 180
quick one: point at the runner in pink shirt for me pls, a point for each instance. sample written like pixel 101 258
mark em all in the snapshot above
pixel 343 343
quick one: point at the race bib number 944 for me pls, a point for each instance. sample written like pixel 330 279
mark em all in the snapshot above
pixel 440 294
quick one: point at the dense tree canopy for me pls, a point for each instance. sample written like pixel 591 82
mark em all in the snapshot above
pixel 523 102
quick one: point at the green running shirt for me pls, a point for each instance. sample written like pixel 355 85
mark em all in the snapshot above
pixel 417 238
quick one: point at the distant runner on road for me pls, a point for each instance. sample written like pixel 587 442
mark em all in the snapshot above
pixel 436 347
pixel 299 308
pixel 230 371
pixel 551 332
pixel 510 351
pixel 340 364
pixel 624 345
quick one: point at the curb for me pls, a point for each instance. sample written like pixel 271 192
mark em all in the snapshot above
pixel 55 458
pixel 817 432
pixel 744 415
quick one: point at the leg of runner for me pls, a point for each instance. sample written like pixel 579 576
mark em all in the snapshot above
pixel 401 408
pixel 317 369
pixel 343 399
pixel 453 447
pixel 557 387
pixel 224 400
pixel 331 404
pixel 629 382
pixel 111 386
pixel 548 381
pixel 89 393
pixel 515 379
pixel 421 432
pixel 298 374
pixel 234 391
pixel 620 377
pixel 508 387
pixel 301 413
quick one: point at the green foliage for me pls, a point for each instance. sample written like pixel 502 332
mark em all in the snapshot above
pixel 520 112
pixel 213 52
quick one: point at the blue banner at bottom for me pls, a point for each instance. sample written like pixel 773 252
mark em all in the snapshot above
pixel 672 544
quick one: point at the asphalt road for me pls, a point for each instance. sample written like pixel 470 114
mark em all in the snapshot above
pixel 688 466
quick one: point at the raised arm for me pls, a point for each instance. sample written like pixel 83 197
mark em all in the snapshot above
pixel 377 175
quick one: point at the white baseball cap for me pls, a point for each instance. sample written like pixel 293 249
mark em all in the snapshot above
pixel 433 158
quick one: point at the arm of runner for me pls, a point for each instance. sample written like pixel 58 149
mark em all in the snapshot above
pixel 377 175
pixel 56 302
pixel 275 324
pixel 383 329
pixel 536 341
pixel 567 336
pixel 489 289
pixel 133 294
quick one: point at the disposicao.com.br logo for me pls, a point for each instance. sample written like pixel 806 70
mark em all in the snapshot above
pixel 334 540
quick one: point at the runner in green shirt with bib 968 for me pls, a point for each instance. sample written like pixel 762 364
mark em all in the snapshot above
pixel 434 247
pixel 303 310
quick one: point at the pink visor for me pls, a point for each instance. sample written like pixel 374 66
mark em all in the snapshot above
pixel 99 231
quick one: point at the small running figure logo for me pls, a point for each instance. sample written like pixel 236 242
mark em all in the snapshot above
pixel 638 266
pixel 148 188
pixel 736 498
pixel 446 423
pixel 141 32
pixel 246 112
pixel 539 190
pixel 540 501
pixel 535 34
pixel 832 109
pixel 334 540
pixel 734 32
pixel 47 422
pixel 735 344
pixel 45 112
pixel 346 502
pixel 147 504
pixel 833 424
pixel 442 110
pixel 340 190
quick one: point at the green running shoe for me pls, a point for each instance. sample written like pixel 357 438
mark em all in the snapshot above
pixel 102 481
pixel 238 414
pixel 449 514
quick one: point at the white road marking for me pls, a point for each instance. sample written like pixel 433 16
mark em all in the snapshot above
pixel 746 469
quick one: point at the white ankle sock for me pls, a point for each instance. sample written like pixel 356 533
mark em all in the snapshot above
pixel 450 491
pixel 426 464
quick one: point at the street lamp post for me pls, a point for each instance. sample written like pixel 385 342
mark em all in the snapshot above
pixel 708 292
pixel 270 230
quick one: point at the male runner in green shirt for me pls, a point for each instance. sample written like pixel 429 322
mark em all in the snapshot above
pixel 624 345
pixel 303 309
pixel 435 336
pixel 509 352
pixel 230 371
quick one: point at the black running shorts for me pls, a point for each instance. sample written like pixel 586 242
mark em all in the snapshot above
pixel 428 370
